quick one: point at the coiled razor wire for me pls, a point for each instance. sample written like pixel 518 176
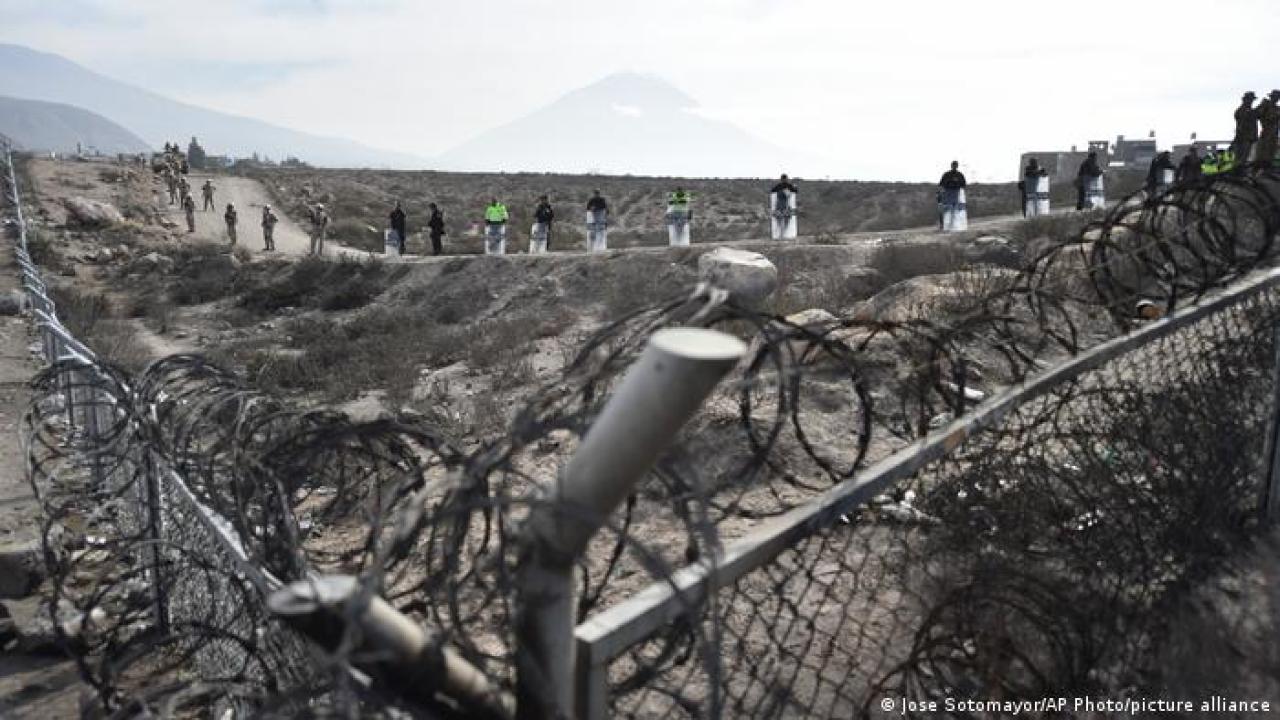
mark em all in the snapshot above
pixel 1029 561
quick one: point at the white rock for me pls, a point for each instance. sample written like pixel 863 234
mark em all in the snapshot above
pixel 92 212
pixel 748 276
pixel 971 394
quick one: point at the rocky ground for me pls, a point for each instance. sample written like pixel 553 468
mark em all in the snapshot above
pixel 36 679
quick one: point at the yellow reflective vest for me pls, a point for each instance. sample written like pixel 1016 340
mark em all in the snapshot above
pixel 496 213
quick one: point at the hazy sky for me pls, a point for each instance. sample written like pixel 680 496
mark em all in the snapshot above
pixel 877 90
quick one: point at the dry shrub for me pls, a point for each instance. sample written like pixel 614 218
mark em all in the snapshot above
pixel 91 318
pixel 900 261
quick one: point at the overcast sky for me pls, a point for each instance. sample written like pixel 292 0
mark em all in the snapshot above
pixel 877 90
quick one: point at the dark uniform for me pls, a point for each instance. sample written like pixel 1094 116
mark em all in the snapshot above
pixel 1189 167
pixel 1246 128
pixel 952 181
pixel 1088 170
pixel 1159 163
pixel 398 225
pixel 544 214
pixel 435 227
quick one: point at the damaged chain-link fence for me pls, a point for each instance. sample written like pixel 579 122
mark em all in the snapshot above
pixel 993 498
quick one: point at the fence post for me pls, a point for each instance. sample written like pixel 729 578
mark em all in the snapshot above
pixel 155 531
pixel 325 608
pixel 674 375
pixel 1270 507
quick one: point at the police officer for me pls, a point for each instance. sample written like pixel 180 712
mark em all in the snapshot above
pixel 1089 170
pixel 784 184
pixel 1155 172
pixel 679 201
pixel 435 228
pixel 543 213
pixel 1190 167
pixel 948 188
pixel 495 222
pixel 1246 127
pixel 597 203
pixel 398 225
pixel 1030 177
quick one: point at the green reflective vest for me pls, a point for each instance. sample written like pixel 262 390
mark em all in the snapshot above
pixel 679 198
pixel 496 213
pixel 1209 166
pixel 1226 161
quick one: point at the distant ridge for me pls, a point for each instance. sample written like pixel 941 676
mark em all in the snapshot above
pixel 157 119
pixel 46 126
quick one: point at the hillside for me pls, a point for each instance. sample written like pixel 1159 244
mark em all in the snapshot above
pixel 158 119
pixel 624 123
pixel 36 125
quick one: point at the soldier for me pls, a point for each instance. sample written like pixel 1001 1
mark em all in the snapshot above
pixel 1269 119
pixel 230 218
pixel 189 207
pixel 171 181
pixel 319 229
pixel 184 189
pixel 207 191
pixel 269 221
pixel 1246 127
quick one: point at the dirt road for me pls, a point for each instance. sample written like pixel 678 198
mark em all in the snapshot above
pixel 249 197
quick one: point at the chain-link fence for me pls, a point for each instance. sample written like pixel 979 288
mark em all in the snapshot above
pixel 848 516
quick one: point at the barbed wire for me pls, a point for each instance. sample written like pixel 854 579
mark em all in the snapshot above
pixel 174 501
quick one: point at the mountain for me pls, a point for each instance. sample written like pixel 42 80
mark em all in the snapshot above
pixel 36 125
pixel 623 124
pixel 156 119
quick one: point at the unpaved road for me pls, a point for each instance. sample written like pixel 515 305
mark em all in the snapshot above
pixel 249 197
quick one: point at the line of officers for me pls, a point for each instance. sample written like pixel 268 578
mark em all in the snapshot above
pixel 496 217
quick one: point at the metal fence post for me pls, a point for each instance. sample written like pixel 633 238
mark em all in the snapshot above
pixel 155 531
pixel 674 375
pixel 1270 506
pixel 387 642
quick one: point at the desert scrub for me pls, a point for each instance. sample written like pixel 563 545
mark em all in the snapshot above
pixel 92 319
pixel 901 261
pixel 317 283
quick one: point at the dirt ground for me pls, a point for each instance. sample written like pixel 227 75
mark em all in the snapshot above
pixel 31 686
pixel 249 197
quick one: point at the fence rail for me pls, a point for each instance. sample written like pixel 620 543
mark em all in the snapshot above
pixel 1021 549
